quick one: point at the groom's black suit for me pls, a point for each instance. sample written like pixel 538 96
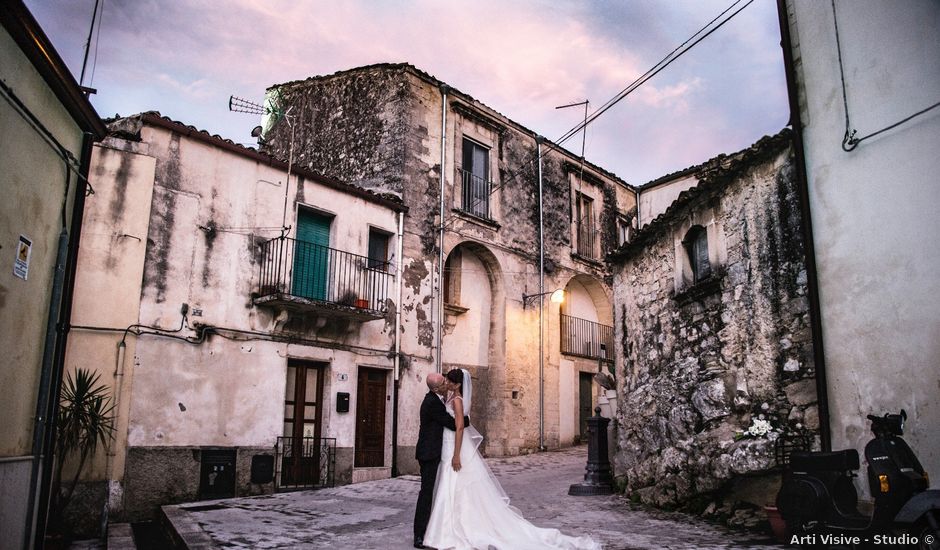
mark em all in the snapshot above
pixel 434 419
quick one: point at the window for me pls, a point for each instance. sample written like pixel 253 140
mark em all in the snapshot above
pixel 624 230
pixel 696 248
pixel 378 249
pixel 452 277
pixel 475 191
pixel 584 226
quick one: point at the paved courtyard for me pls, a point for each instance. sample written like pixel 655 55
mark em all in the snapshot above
pixel 379 514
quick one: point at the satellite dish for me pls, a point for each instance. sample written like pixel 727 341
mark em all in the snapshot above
pixel 256 131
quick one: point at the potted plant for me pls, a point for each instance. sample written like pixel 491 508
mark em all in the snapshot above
pixel 86 418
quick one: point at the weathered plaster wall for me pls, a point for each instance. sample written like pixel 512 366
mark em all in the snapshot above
pixel 507 248
pixel 35 194
pixel 655 200
pixel 701 362
pixel 202 213
pixel 107 293
pixel 467 334
pixel 874 211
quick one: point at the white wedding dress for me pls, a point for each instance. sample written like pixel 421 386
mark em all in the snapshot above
pixel 471 510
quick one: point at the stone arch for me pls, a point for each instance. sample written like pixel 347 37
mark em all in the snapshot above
pixel 475 324
pixel 581 289
pixel 585 338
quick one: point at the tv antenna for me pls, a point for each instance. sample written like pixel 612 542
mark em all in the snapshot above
pixel 271 107
pixel 586 102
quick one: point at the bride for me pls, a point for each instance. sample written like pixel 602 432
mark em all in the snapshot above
pixel 470 509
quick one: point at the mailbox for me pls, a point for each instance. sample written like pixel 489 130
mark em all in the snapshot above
pixel 262 469
pixel 342 402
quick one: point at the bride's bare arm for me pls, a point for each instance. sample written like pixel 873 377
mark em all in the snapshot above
pixel 458 436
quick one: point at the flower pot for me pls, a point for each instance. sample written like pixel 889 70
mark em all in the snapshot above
pixel 777 525
pixel 362 303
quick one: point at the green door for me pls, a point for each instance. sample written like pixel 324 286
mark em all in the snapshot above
pixel 585 397
pixel 311 256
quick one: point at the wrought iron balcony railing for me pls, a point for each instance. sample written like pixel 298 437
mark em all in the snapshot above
pixel 586 245
pixel 584 338
pixel 298 273
pixel 475 195
pixel 305 462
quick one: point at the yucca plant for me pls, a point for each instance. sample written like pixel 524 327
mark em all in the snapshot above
pixel 85 419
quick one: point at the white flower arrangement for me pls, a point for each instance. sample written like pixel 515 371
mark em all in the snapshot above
pixel 760 428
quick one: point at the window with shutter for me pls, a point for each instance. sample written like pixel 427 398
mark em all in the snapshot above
pixel 696 246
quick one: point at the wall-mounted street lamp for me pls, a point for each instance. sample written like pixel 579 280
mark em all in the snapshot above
pixel 557 297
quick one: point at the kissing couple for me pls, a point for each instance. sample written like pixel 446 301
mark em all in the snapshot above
pixel 461 505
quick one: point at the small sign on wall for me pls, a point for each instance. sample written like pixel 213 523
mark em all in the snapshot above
pixel 24 249
pixel 342 377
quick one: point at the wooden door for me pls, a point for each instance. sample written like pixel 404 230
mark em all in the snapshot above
pixel 302 413
pixel 370 418
pixel 585 396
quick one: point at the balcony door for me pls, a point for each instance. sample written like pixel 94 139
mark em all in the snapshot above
pixel 370 418
pixel 476 173
pixel 311 255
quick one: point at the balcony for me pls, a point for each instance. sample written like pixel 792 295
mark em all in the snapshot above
pixel 310 278
pixel 583 338
pixel 586 241
pixel 475 195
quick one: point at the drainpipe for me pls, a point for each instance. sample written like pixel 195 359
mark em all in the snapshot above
pixel 636 193
pixel 440 259
pixel 42 425
pixel 812 277
pixel 64 317
pixel 118 390
pixel 538 144
pixel 396 375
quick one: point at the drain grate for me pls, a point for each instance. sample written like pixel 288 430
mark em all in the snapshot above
pixel 204 508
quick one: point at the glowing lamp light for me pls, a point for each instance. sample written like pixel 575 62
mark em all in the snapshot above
pixel 557 297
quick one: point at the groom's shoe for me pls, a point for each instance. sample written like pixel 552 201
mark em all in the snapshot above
pixel 419 543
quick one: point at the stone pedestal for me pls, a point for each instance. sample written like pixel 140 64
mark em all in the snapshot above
pixel 598 478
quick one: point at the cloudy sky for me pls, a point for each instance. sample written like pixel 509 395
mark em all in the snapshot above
pixel 520 57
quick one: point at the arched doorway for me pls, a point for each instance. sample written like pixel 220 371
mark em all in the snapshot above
pixel 586 338
pixel 473 331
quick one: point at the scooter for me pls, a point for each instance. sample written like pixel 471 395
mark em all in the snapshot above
pixel 819 502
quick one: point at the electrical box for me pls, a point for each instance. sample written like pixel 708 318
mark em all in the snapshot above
pixel 262 469
pixel 342 402
pixel 217 475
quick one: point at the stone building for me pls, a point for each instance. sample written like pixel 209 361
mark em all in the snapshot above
pixel 233 287
pixel 394 129
pixel 712 326
pixel 47 127
pixel 241 361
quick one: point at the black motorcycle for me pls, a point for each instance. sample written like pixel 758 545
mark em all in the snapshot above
pixel 819 502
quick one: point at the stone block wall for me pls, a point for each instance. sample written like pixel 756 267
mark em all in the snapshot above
pixel 700 362
pixel 157 476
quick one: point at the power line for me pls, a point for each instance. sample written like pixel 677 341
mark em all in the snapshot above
pixel 849 141
pixel 676 53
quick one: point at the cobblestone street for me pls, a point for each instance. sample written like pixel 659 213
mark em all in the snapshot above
pixel 379 514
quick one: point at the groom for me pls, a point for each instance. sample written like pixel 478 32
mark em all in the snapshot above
pixel 434 419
